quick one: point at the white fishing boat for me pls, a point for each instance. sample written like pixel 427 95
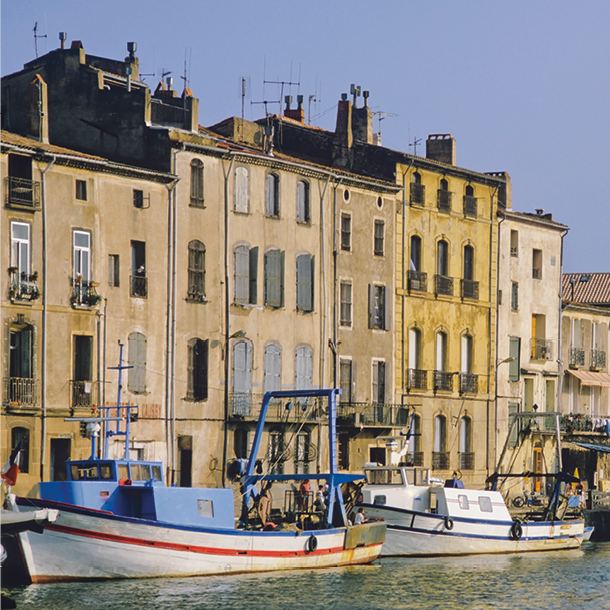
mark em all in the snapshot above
pixel 117 519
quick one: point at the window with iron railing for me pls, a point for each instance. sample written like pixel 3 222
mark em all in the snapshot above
pixel 440 460
pixel 541 349
pixel 443 381
pixel 598 359
pixel 469 383
pixel 470 206
pixel 417 379
pixel 418 194
pixel 470 289
pixel 577 356
pixel 22 192
pixel 443 285
pixel 418 281
pixel 443 201
pixel 467 461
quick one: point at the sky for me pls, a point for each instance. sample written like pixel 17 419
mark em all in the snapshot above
pixel 523 86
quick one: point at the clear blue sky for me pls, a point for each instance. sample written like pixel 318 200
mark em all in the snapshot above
pixel 524 86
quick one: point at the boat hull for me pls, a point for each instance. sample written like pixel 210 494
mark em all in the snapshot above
pixel 85 544
pixel 411 533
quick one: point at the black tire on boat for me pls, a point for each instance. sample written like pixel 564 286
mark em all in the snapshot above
pixel 449 523
pixel 518 501
pixel 516 531
pixel 312 543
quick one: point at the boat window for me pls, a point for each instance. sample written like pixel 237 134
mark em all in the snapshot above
pixel 463 502
pixel 140 472
pixel 205 508
pixel 381 500
pixel 106 471
pixel 384 477
pixel 485 504
pixel 80 472
pixel 156 473
pixel 421 477
pixel 410 476
pixel 123 474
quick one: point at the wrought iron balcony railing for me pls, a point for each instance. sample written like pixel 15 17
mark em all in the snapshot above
pixel 417 379
pixel 415 457
pixel 466 460
pixel 84 293
pixel 20 391
pixel 247 405
pixel 469 289
pixel 469 383
pixel 418 281
pixel 443 381
pixel 470 206
pixel 23 286
pixel 138 286
pixel 443 200
pixel 82 394
pixel 541 349
pixel 598 359
pixel 577 356
pixel 22 192
pixel 443 285
pixel 418 194
pixel 373 414
pixel 440 460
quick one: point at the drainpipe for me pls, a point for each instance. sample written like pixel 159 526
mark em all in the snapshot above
pixel 496 361
pixel 335 271
pixel 227 337
pixel 104 369
pixel 559 340
pixel 43 358
pixel 403 283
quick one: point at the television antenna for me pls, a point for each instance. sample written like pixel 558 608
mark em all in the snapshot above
pixel 380 117
pixel 36 37
pixel 414 145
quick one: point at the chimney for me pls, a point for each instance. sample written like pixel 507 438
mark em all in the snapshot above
pixel 362 121
pixel 62 39
pixel 297 114
pixel 38 121
pixel 441 147
pixel 191 105
pixel 343 139
pixel 132 61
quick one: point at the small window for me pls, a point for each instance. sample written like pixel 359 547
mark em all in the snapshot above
pixel 380 202
pixel 138 199
pixel 514 243
pixel 197 183
pixel 537 264
pixel 22 435
pixel 305 282
pixel 274 278
pixel 346 304
pixel 514 296
pixel 346 232
pixel 81 190
pixel 485 504
pixel 196 271
pixel 113 270
pixel 380 500
pixel 463 502
pixel 205 508
pixel 156 473
pixel 242 190
pixel 105 471
pixel 272 196
pixel 303 204
pixel 378 249
pixel 346 195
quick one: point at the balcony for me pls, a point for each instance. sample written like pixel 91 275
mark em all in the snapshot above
pixel 440 460
pixel 138 286
pixel 418 194
pixel 20 391
pixel 469 383
pixel 415 457
pixel 466 461
pixel 417 379
pixel 541 349
pixel 443 381
pixel 469 289
pixel 23 286
pixel 247 406
pixel 443 200
pixel 598 359
pixel 418 281
pixel 22 193
pixel 443 285
pixel 81 394
pixel 470 206
pixel 373 414
pixel 578 422
pixel 577 357
pixel 84 294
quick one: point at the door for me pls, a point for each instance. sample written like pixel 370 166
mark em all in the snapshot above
pixel 185 460
pixel 60 452
pixel 377 454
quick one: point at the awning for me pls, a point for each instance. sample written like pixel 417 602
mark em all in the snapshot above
pixel 603 448
pixel 601 380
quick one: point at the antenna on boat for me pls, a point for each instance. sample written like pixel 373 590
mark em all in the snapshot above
pixel 110 433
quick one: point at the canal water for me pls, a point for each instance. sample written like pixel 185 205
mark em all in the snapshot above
pixel 569 579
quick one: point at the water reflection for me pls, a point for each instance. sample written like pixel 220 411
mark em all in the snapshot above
pixel 570 579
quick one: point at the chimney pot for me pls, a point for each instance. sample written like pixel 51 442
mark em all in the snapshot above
pixel 62 38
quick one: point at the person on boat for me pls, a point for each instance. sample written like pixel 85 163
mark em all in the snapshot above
pixel 320 504
pixel 304 490
pixel 457 481
pixel 360 518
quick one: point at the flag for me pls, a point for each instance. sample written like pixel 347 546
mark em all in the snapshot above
pixel 10 470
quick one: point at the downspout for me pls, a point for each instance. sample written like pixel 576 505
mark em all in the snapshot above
pixel 497 354
pixel 225 448
pixel 43 364
pixel 335 272
pixel 560 345
pixel 172 377
pixel 104 369
pixel 403 284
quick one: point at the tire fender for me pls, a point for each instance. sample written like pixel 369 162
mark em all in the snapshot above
pixel 448 523
pixel 312 543
pixel 516 531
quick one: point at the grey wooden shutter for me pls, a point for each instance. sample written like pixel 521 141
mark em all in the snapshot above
pixel 253 275
pixel 137 358
pixel 242 264
pixel 305 282
pixel 388 308
pixel 371 306
pixel 274 278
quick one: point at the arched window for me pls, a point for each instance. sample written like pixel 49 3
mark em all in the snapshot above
pixel 303 204
pixel 273 368
pixel 414 454
pixel 444 196
pixel 272 195
pixel 197 371
pixel 444 185
pixel 19 434
pixel 418 190
pixel 440 456
pixel 137 359
pixel 469 191
pixel 468 262
pixel 415 262
pixel 416 178
pixel 466 455
pixel 303 368
pixel 197 183
pixel 442 258
pixel 416 376
pixel 242 377
pixel 242 190
pixel 196 271
pixel 302 452
pixel 441 351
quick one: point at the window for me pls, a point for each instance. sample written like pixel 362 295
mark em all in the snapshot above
pixel 81 190
pixel 242 190
pixel 528 394
pixel 113 270
pixel 514 243
pixel 418 190
pixel 346 303
pixel 242 367
pixel 273 368
pixel 19 434
pixel 466 456
pixel 305 283
pixel 246 275
pixel 82 256
pixel 414 362
pixel 20 249
pixel 463 502
pixel 441 351
pixel 272 195
pixel 137 359
pixel 139 281
pixel 346 232
pixel 196 273
pixel 485 504
pixel 466 363
pixel 83 371
pixel 468 263
pixel 276 451
pixel 21 383
pixel 301 452
pixel 379 307
pixel 303 368
pixel 197 373
pixel 515 362
pixel 444 197
pixel 345 379
pixel 22 190
pixel 415 263
pixel 138 199
pixel 379 382
pixel 303 205
pixel 537 264
pixel 274 278
pixel 513 409
pixel 514 296
pixel 550 395
pixel 442 258
pixel 470 203
pixel 241 444
pixel 378 248
pixel 440 433
pixel 197 183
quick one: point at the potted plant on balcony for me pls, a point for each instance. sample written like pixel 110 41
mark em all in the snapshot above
pixel 92 299
pixel 12 270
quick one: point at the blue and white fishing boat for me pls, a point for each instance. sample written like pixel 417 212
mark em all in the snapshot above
pixel 117 519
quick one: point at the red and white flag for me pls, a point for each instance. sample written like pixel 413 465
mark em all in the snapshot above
pixel 10 470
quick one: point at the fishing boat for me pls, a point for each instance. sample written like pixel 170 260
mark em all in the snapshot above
pixel 118 519
pixel 424 518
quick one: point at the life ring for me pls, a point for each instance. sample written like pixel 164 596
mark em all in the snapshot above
pixel 449 523
pixel 516 531
pixel 312 543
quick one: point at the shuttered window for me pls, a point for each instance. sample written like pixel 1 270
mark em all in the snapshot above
pixel 303 206
pixel 272 195
pixel 196 271
pixel 242 190
pixel 303 367
pixel 137 359
pixel 242 367
pixel 346 304
pixel 197 183
pixel 379 380
pixel 379 307
pixel 197 373
pixel 272 376
pixel 305 275
pixel 515 363
pixel 274 278
pixel 246 268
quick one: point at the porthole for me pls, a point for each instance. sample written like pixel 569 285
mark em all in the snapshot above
pixel 380 202
pixel 346 195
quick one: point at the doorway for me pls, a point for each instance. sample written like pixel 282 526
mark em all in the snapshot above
pixel 377 454
pixel 185 461
pixel 60 452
